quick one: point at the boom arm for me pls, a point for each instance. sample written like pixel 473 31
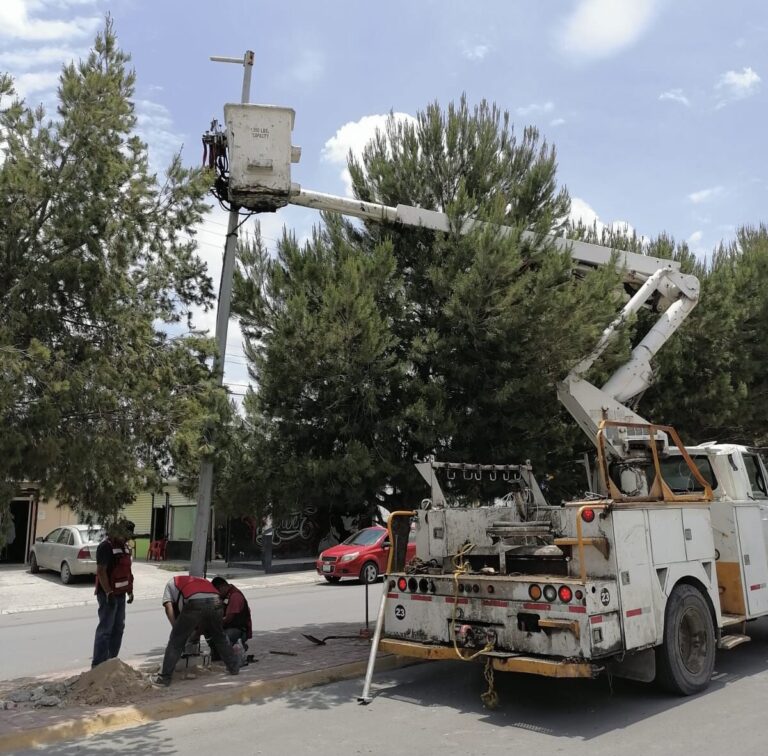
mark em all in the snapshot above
pixel 677 295
pixel 254 160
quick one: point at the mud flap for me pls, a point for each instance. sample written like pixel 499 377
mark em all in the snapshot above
pixel 638 665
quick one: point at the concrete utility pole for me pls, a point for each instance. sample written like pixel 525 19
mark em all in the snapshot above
pixel 205 486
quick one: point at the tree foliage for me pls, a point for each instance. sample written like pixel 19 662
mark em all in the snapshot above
pixel 377 344
pixel 97 259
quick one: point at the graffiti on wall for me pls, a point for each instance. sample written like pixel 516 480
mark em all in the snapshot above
pixel 302 533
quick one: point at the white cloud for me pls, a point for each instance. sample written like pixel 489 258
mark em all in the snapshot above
pixel 353 136
pixel 536 108
pixel 26 59
pixel 675 95
pixel 154 125
pixel 18 22
pixel 601 28
pixel 704 195
pixel 582 212
pixel 737 85
pixel 557 122
pixel 308 67
pixel 695 238
pixel 475 52
pixel 40 81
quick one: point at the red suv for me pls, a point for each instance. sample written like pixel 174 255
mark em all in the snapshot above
pixel 363 555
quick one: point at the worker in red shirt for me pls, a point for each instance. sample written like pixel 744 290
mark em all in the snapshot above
pixel 237 613
pixel 190 603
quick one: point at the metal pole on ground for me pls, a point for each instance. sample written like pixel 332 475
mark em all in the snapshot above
pixel 366 697
pixel 205 486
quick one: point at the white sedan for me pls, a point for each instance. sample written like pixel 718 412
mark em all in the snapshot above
pixel 69 550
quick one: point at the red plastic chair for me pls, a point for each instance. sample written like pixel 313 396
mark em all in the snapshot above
pixel 156 550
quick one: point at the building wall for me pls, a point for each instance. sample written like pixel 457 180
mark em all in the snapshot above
pixel 140 512
pixel 51 516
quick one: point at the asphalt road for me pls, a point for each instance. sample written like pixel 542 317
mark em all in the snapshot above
pixel 59 640
pixel 434 708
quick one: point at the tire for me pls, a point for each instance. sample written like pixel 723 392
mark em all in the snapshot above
pixel 34 567
pixel 66 573
pixel 686 658
pixel 370 573
pixel 332 578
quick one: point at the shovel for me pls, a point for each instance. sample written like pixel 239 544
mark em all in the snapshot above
pixel 321 642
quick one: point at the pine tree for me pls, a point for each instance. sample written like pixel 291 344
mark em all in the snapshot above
pixel 376 345
pixel 95 256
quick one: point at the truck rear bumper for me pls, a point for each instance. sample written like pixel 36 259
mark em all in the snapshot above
pixel 531 665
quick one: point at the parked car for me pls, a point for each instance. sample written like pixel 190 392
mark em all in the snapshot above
pixel 69 550
pixel 363 555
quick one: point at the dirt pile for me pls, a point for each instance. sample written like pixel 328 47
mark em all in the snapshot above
pixel 112 682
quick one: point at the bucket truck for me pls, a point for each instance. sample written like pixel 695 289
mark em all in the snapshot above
pixel 660 565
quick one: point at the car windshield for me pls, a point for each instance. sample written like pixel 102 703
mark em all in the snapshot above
pixel 676 473
pixel 90 534
pixel 366 537
pixel 679 477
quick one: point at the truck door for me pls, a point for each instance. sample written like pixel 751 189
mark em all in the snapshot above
pixel 753 558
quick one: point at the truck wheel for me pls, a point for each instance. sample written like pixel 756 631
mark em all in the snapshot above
pixel 369 573
pixel 686 658
pixel 34 567
pixel 66 574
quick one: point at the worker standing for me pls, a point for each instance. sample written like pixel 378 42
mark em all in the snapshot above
pixel 114 581
pixel 192 603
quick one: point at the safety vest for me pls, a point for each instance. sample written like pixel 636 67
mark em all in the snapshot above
pixel 242 620
pixel 189 586
pixel 121 576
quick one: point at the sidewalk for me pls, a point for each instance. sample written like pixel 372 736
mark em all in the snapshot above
pixel 23 592
pixel 298 664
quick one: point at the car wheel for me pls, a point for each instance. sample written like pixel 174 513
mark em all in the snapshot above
pixel 34 567
pixel 66 574
pixel 369 573
pixel 684 662
pixel 332 579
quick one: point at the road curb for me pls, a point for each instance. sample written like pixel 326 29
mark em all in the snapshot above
pixel 133 716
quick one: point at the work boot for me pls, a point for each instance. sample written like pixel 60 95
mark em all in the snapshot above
pixel 158 681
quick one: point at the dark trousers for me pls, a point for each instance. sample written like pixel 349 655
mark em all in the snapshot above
pixel 234 634
pixel 109 631
pixel 205 614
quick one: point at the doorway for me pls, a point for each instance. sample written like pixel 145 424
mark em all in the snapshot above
pixel 15 551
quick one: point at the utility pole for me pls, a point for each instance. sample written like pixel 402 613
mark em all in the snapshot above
pixel 205 485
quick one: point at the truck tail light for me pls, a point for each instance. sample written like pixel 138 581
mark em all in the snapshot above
pixel 588 515
pixel 565 594
pixel 550 593
pixel 402 584
pixel 535 592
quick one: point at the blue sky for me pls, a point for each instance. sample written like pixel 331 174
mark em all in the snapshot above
pixel 657 107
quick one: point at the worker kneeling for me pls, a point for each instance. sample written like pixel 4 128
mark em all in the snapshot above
pixel 237 616
pixel 190 603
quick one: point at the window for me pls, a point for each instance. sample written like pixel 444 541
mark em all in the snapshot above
pixel 65 537
pixel 679 477
pixel 53 535
pixel 90 534
pixel 755 474
pixel 182 523
pixel 365 537
pixel 674 469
